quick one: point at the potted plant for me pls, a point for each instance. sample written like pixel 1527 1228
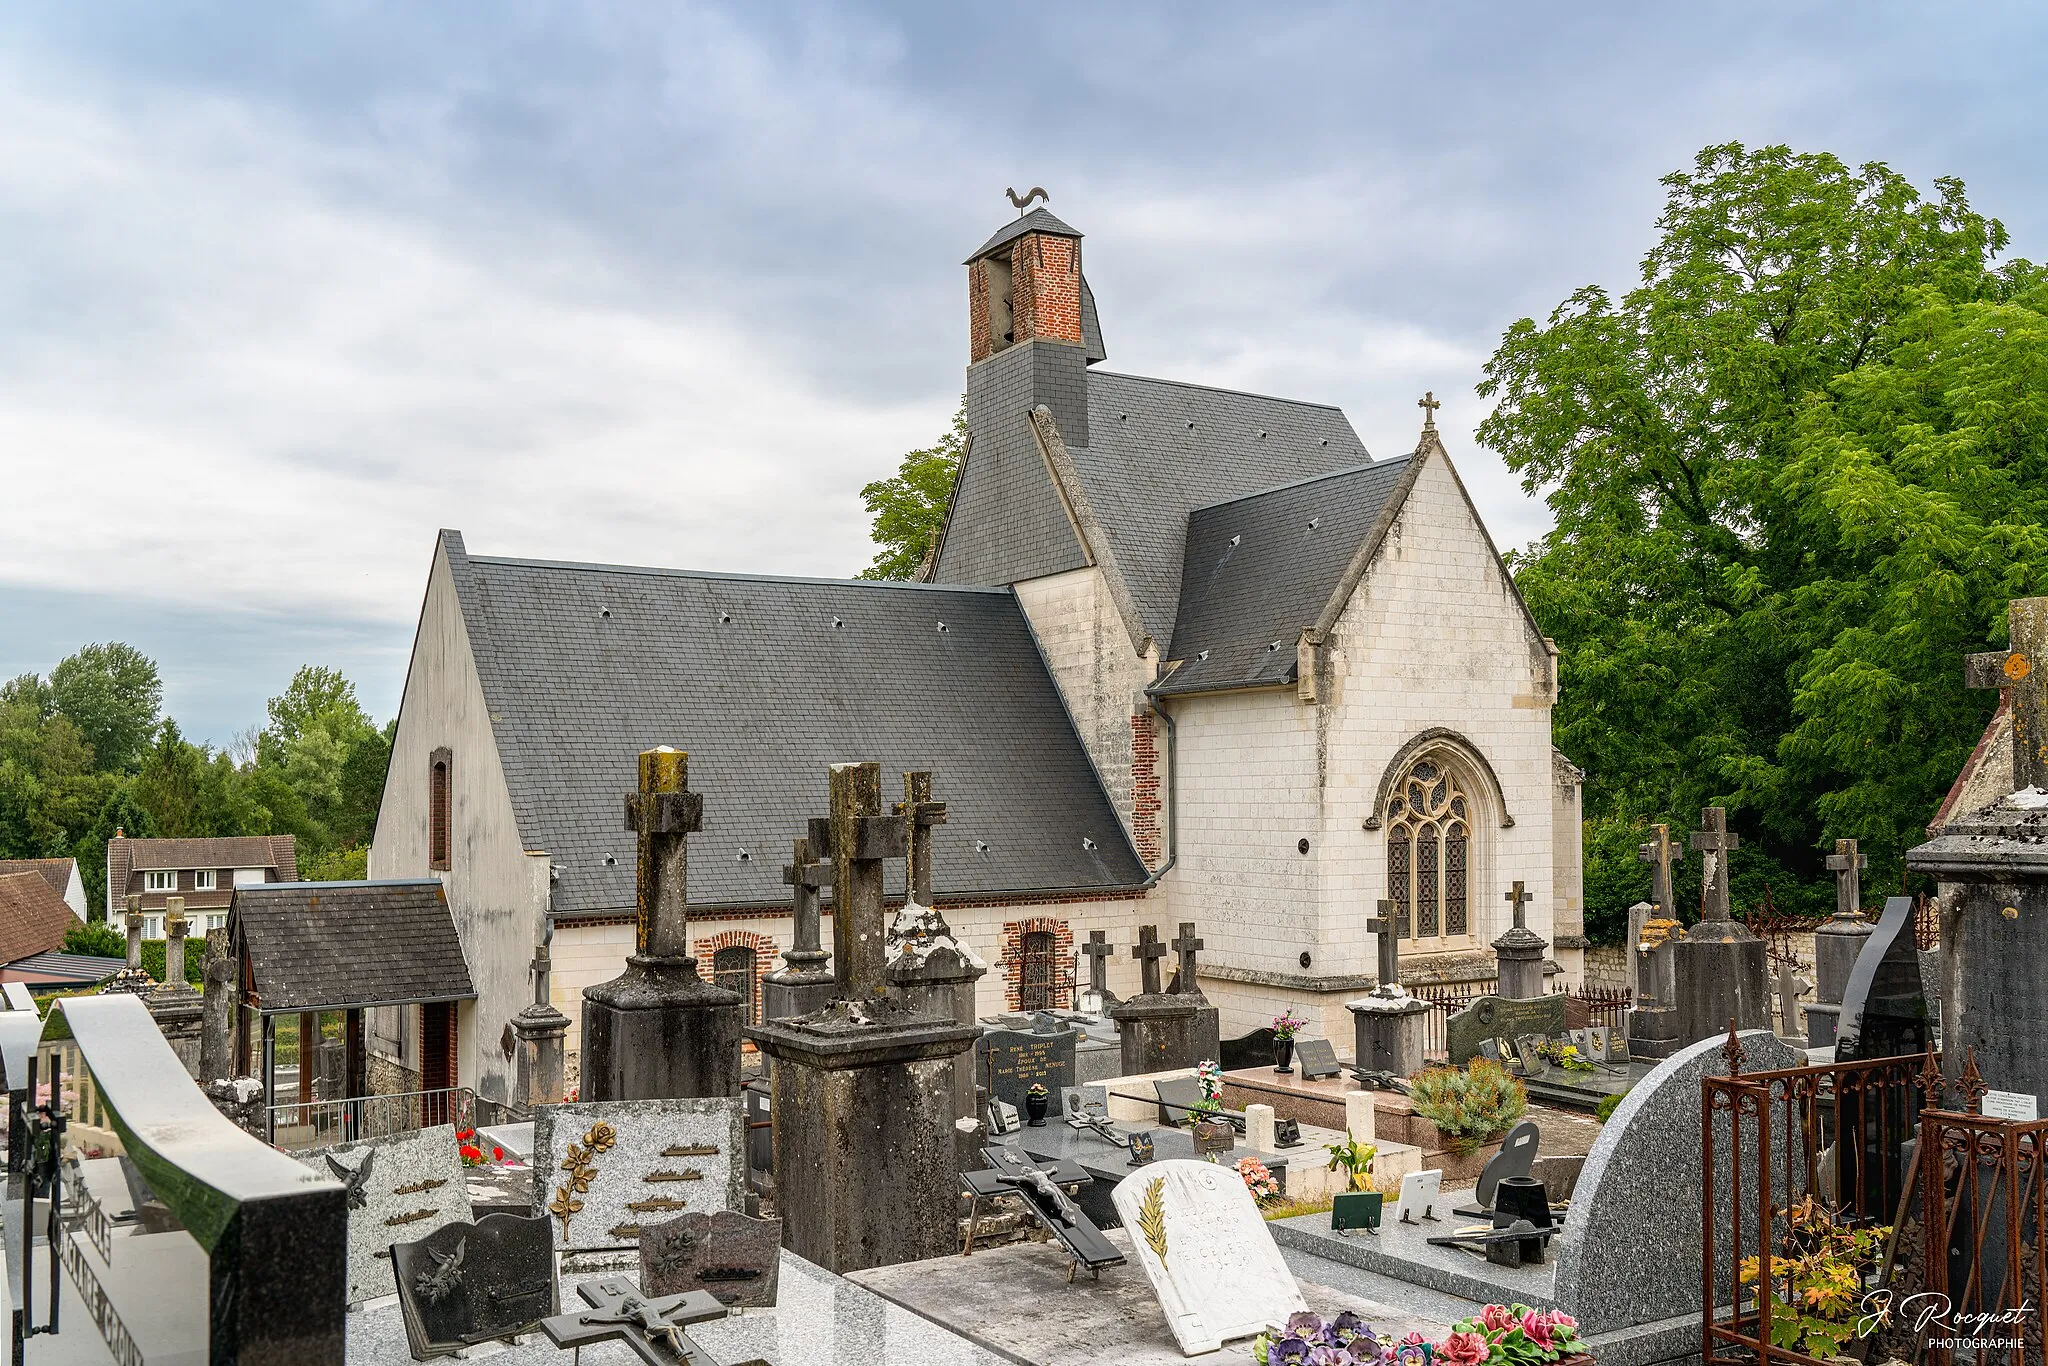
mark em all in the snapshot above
pixel 1355 1160
pixel 1212 1132
pixel 1308 1338
pixel 1818 1273
pixel 1285 1026
pixel 1036 1102
pixel 1470 1106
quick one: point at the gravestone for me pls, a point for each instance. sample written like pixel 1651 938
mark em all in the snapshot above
pixel 399 1190
pixel 1660 853
pixel 1098 998
pixel 1156 1029
pixel 658 1030
pixel 602 1169
pixel 1011 1062
pixel 176 1005
pixel 932 970
pixel 1198 1234
pixel 1653 1021
pixel 1316 1059
pixel 735 1258
pixel 1630 1252
pixel 468 1283
pixel 1389 1026
pixel 1186 982
pixel 1247 1050
pixel 1836 944
pixel 1720 969
pixel 805 982
pixel 131 978
pixel 539 1033
pixel 1494 1017
pixel 217 1006
pixel 1519 952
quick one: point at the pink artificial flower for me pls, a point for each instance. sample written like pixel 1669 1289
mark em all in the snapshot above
pixel 1497 1318
pixel 1412 1340
pixel 1560 1319
pixel 1536 1327
pixel 1463 1349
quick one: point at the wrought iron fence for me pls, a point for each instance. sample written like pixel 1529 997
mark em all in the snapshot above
pixel 318 1123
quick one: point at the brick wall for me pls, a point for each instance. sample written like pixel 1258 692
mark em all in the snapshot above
pixel 1012 961
pixel 1145 801
pixel 1045 287
pixel 765 957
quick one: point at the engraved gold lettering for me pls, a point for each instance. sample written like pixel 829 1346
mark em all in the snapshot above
pixel 687 1174
pixel 690 1150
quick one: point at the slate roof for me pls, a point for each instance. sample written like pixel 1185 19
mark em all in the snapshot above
pixel 1038 220
pixel 33 918
pixel 342 945
pixel 1258 570
pixel 583 666
pixel 45 969
pixel 55 871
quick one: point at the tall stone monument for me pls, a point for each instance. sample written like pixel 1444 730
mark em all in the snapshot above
pixel 1721 969
pixel 1155 1028
pixel 1389 1027
pixel 1993 869
pixel 1652 1020
pixel 658 1031
pixel 929 967
pixel 176 1005
pixel 1836 944
pixel 216 1029
pixel 1186 982
pixel 131 978
pixel 540 1033
pixel 805 981
pixel 1519 952
pixel 865 1168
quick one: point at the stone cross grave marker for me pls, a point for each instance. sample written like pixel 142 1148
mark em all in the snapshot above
pixel 804 982
pixel 1198 1234
pixel 1387 944
pixel 2018 674
pixel 1715 844
pixel 468 1283
pixel 1660 853
pixel 1013 1060
pixel 1185 947
pixel 1847 865
pixel 1148 951
pixel 919 814
pixel 858 839
pixel 605 1168
pixel 735 1259
pixel 652 1327
pixel 399 1190
pixel 1520 900
pixel 1099 951
pixel 663 813
pixel 216 1027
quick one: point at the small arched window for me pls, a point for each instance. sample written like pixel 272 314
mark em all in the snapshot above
pixel 1429 854
pixel 732 967
pixel 438 801
pixel 1039 979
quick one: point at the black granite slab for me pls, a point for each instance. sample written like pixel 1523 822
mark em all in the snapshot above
pixel 468 1283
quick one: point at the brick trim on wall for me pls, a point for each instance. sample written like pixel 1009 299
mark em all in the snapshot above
pixel 1145 802
pixel 1012 962
pixel 706 950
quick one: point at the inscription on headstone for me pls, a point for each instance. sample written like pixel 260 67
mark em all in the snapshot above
pixel 1012 1062
pixel 1316 1059
pixel 733 1257
pixel 1496 1017
pixel 399 1189
pixel 605 1168
pixel 1198 1234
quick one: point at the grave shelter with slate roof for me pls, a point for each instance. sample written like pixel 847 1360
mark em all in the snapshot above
pixel 1131 568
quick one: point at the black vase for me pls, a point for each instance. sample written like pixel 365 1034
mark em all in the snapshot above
pixel 1283 1056
pixel 1523 1198
pixel 1034 1110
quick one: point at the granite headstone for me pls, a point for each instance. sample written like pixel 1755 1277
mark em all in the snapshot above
pixel 726 1253
pixel 1247 1050
pixel 1497 1017
pixel 604 1168
pixel 1884 1015
pixel 1316 1059
pixel 468 1283
pixel 1011 1062
pixel 398 1188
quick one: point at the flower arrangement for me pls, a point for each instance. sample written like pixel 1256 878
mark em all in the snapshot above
pixel 471 1150
pixel 1355 1158
pixel 1499 1335
pixel 1208 1076
pixel 1286 1025
pixel 1470 1106
pixel 1037 1091
pixel 1258 1179
pixel 1818 1271
pixel 1512 1335
pixel 1309 1339
pixel 1558 1053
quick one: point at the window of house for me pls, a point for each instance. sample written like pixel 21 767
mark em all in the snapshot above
pixel 437 809
pixel 1039 975
pixel 152 927
pixel 160 881
pixel 1429 855
pixel 203 880
pixel 733 969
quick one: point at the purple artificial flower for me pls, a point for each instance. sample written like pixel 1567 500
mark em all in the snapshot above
pixel 1305 1324
pixel 1288 1351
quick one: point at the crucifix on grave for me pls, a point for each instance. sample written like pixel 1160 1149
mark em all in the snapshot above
pixel 859 840
pixel 658 1031
pixel 2018 674
pixel 1519 952
pixel 1660 853
pixel 1158 1030
pixel 1720 970
pixel 1388 946
pixel 539 1033
pixel 1099 951
pixel 652 1328
pixel 1187 983
pixel 805 981
pixel 1148 951
pixel 131 977
pixel 1185 948
pixel 1388 1026
pixel 928 967
pixel 1715 844
pixel 919 813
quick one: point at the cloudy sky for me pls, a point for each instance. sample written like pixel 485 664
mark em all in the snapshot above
pixel 284 288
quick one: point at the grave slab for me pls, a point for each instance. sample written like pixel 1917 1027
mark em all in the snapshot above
pixel 400 1190
pixel 605 1167
pixel 1206 1251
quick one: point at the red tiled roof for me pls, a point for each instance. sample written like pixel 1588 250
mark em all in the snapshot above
pixel 33 919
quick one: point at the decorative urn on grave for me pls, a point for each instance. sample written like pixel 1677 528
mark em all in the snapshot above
pixel 1036 1101
pixel 1285 1026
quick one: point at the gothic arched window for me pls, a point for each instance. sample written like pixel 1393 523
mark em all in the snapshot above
pixel 1429 854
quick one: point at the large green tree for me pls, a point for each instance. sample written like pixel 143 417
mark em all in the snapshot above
pixel 909 508
pixel 1795 474
pixel 112 694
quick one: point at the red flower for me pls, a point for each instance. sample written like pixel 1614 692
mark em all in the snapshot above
pixel 1497 1318
pixel 1537 1328
pixel 1464 1349
pixel 497 1154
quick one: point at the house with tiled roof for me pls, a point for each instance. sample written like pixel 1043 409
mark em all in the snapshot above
pixel 60 873
pixel 203 871
pixel 1181 653
pixel 33 918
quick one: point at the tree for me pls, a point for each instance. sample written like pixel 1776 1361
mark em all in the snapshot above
pixel 909 510
pixel 1713 446
pixel 171 785
pixel 112 694
pixel 316 695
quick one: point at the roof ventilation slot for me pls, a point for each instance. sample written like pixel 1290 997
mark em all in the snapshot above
pixel 1273 648
pixel 724 617
pixel 1235 540
pixel 1262 433
pixel 746 857
pixel 942 628
pixel 1203 655
pixel 605 613
pixel 1087 843
pixel 609 861
pixel 837 623
pixel 981 846
pixel 1314 522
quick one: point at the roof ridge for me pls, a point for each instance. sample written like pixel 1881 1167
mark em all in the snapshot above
pixel 656 571
pixel 1216 389
pixel 1388 463
pixel 346 882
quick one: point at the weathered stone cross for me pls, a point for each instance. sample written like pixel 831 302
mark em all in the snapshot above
pixel 1185 947
pixel 2019 672
pixel 134 928
pixel 804 875
pixel 1388 945
pixel 1717 844
pixel 1148 951
pixel 1521 900
pixel 1099 951
pixel 1660 853
pixel 1429 405
pixel 920 813
pixel 664 813
pixel 859 839
pixel 653 1328
pixel 1847 866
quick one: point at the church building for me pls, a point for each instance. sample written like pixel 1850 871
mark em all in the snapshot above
pixel 1180 654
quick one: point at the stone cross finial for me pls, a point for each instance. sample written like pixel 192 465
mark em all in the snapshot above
pixel 920 813
pixel 1099 951
pixel 1660 853
pixel 1428 403
pixel 542 966
pixel 1388 945
pixel 1847 866
pixel 1148 951
pixel 175 929
pixel 2017 672
pixel 1185 948
pixel 663 812
pixel 804 875
pixel 1520 899
pixel 1716 844
pixel 134 928
pixel 861 839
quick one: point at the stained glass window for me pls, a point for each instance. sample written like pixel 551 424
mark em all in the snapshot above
pixel 1429 854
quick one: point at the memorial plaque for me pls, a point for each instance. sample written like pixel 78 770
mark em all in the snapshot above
pixel 1010 1062
pixel 1141 1149
pixel 469 1283
pixel 1497 1017
pixel 1315 1059
pixel 1198 1234
pixel 1356 1210
pixel 1287 1133
pixel 733 1257
pixel 398 1188
pixel 605 1168
pixel 2014 1105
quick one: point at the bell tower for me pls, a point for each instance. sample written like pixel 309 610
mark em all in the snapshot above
pixel 1024 285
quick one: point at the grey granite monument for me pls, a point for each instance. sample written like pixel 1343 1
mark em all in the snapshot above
pixel 805 982
pixel 658 1030
pixel 1836 943
pixel 864 1086
pixel 1720 968
pixel 1389 1027
pixel 1519 952
pixel 1155 1028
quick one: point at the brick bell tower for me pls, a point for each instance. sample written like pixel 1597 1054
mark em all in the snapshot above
pixel 1032 330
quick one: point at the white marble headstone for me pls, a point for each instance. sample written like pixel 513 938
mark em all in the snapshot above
pixel 413 1185
pixel 603 1168
pixel 1196 1231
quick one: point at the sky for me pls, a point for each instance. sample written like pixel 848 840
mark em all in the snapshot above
pixel 284 288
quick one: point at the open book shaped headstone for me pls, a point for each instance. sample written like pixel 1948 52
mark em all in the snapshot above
pixel 1211 1260
pixel 1316 1059
pixel 468 1283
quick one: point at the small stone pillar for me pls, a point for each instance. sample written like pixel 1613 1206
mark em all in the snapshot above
pixel 1259 1126
pixel 540 1034
pixel 1361 1116
pixel 1157 1029
pixel 217 1011
pixel 1653 1031
pixel 131 978
pixel 176 1006
pixel 1389 1032
pixel 865 1136
pixel 805 982
pixel 1721 969
pixel 658 1031
pixel 1520 954
pixel 1836 944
